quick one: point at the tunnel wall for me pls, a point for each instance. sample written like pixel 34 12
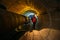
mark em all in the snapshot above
pixel 51 21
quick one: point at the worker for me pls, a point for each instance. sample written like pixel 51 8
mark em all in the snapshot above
pixel 33 19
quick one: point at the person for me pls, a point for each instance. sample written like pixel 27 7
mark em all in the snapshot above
pixel 34 21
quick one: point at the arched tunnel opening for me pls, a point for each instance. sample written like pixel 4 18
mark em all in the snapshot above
pixel 33 19
pixel 29 20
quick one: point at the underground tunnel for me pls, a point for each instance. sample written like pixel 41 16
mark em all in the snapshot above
pixel 16 22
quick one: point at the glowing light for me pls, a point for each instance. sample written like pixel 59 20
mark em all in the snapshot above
pixel 29 8
pixel 28 14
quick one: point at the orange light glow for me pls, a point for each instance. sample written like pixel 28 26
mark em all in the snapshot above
pixel 26 8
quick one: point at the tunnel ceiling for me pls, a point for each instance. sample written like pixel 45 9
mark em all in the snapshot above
pixel 18 5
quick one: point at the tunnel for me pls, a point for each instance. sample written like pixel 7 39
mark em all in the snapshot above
pixel 16 22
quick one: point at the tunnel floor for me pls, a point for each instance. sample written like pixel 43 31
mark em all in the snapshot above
pixel 44 34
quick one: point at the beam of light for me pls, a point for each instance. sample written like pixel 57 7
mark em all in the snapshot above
pixel 28 14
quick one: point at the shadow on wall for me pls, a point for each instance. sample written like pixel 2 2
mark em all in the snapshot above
pixel 3 6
